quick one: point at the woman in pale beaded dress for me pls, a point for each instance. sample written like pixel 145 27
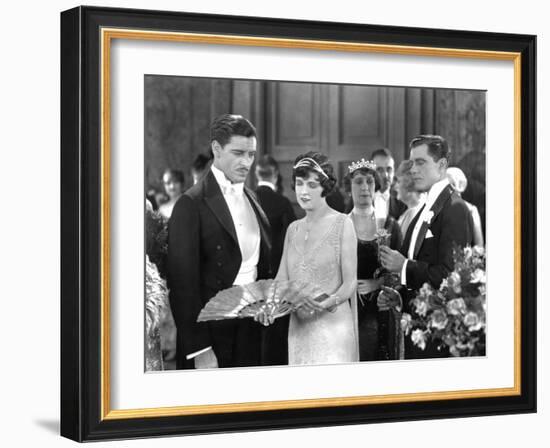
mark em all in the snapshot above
pixel 375 327
pixel 320 249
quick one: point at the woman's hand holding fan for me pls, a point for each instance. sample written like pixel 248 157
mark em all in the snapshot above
pixel 264 301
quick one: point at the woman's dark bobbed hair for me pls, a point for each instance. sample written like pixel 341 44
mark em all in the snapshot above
pixel 318 164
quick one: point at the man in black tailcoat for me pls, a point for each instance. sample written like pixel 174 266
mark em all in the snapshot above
pixel 218 236
pixel 444 223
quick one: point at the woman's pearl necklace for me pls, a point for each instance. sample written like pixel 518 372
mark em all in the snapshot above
pixel 362 219
pixel 364 212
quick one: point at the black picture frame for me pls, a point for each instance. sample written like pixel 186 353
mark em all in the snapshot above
pixel 82 397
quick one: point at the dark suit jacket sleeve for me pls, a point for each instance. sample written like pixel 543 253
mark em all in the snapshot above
pixel 455 227
pixel 396 238
pixel 184 274
pixel 289 215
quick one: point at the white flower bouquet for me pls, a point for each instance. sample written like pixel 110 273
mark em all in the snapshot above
pixel 455 314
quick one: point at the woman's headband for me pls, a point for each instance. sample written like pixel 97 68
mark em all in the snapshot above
pixel 369 164
pixel 308 162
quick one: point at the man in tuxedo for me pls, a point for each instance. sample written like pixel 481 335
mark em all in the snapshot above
pixel 280 214
pixel 218 236
pixel 444 222
pixel 385 199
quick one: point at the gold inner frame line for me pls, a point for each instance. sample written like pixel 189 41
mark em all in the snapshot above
pixel 107 35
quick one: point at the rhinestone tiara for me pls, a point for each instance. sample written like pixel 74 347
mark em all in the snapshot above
pixel 361 164
pixel 308 162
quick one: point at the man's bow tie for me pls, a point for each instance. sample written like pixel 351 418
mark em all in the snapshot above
pixel 385 195
pixel 228 189
pixel 231 190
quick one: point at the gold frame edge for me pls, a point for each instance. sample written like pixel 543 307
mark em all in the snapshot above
pixel 107 35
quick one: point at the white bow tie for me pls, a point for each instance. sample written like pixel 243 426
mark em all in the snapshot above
pixel 231 190
pixel 385 195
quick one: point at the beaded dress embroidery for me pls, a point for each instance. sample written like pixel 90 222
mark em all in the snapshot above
pixel 323 337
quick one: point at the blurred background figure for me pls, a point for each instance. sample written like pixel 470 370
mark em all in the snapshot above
pixel 406 193
pixel 277 207
pixel 473 167
pixel 385 200
pixel 151 197
pixel 458 181
pixel 201 165
pixel 280 214
pixel 336 200
pixel 160 198
pixel 173 181
pixel 155 197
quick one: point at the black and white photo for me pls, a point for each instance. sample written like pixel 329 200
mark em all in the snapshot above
pixel 369 200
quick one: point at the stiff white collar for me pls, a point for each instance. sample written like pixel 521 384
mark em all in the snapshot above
pixel 385 195
pixel 434 192
pixel 265 183
pixel 363 211
pixel 225 184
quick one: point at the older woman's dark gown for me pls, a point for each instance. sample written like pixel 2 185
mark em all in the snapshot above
pixel 377 329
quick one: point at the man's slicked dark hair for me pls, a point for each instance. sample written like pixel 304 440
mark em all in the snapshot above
pixel 438 147
pixel 381 152
pixel 267 166
pixel 227 125
pixel 201 161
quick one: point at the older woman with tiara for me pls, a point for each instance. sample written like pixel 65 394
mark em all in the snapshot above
pixel 321 249
pixel 377 333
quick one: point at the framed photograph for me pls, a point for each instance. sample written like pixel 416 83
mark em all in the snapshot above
pixel 277 224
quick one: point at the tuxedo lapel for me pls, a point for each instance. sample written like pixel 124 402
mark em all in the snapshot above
pixel 420 238
pixel 264 263
pixel 213 197
pixel 435 210
pixel 260 216
pixel 408 235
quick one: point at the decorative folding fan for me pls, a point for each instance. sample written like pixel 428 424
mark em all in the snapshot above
pixel 271 298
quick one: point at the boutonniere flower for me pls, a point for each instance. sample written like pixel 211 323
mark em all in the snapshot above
pixel 428 217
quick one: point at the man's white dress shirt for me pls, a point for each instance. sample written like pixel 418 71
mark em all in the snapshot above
pixel 382 204
pixel 408 215
pixel 247 229
pixel 433 194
